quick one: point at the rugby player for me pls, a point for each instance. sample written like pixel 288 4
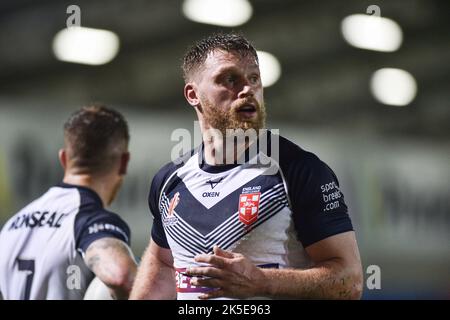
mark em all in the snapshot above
pixel 53 248
pixel 238 229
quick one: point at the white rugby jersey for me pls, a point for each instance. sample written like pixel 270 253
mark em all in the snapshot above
pixel 269 218
pixel 41 246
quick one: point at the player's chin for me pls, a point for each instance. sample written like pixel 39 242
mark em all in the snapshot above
pixel 246 123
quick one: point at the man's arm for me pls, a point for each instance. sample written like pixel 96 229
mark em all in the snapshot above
pixel 337 274
pixel 156 275
pixel 113 263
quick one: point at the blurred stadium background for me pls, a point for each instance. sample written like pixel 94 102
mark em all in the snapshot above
pixel 386 135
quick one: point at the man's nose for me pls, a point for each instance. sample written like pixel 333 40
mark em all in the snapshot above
pixel 246 91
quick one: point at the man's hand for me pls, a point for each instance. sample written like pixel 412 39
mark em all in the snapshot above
pixel 336 274
pixel 231 274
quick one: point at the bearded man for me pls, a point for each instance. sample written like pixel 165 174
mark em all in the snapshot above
pixel 232 224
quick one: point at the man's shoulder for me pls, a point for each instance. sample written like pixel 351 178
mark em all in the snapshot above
pixel 99 213
pixel 302 168
pixel 91 208
pixel 98 220
pixel 166 170
pixel 291 154
pixel 160 177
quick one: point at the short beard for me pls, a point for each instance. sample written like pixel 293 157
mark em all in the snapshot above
pixel 222 120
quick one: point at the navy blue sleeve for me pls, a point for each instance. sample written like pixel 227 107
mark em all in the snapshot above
pixel 93 225
pixel 158 234
pixel 319 209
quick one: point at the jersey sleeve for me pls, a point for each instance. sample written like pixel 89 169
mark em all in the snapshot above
pixel 91 226
pixel 319 209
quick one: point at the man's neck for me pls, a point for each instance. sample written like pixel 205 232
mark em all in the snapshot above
pixel 218 153
pixel 100 186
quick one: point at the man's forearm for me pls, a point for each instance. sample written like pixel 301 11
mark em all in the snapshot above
pixel 328 280
pixel 154 280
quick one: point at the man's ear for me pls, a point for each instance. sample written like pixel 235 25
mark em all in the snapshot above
pixel 62 156
pixel 124 160
pixel 191 95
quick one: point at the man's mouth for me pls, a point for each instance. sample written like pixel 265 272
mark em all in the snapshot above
pixel 247 110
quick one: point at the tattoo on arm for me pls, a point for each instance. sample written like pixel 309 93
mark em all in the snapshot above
pixel 104 252
pixel 113 263
pixel 93 261
pixel 105 244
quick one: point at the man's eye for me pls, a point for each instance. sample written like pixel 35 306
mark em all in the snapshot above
pixel 254 79
pixel 230 79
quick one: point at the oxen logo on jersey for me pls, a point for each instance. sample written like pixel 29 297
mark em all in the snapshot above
pixel 171 219
pixel 213 184
pixel 249 207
